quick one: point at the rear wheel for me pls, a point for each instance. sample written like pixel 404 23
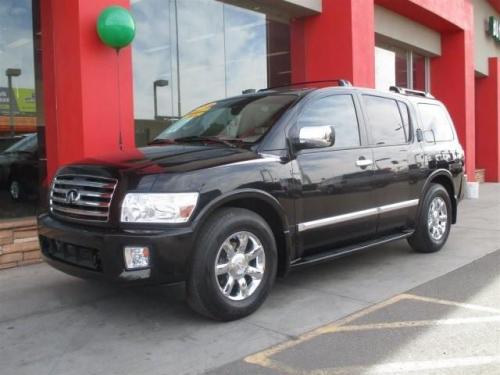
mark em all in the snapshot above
pixel 434 222
pixel 233 266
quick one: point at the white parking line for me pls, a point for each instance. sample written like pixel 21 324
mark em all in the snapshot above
pixel 413 323
pixel 407 367
pixel 468 306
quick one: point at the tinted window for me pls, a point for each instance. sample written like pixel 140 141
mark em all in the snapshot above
pixel 384 120
pixel 337 111
pixel 436 120
pixel 405 114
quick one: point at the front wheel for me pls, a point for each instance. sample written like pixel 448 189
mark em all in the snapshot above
pixel 434 222
pixel 233 266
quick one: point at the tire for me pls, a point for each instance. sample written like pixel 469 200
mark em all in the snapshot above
pixel 16 190
pixel 432 232
pixel 215 247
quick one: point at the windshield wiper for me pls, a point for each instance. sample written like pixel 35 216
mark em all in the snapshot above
pixel 199 138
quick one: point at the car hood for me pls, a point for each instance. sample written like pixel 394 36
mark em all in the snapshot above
pixel 176 158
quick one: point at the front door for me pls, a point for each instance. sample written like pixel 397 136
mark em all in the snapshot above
pixel 335 204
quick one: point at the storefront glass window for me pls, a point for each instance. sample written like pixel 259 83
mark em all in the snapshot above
pixel 399 67
pixel 198 51
pixel 419 72
pixel 391 68
pixel 20 109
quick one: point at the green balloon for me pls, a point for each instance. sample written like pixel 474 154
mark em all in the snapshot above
pixel 116 27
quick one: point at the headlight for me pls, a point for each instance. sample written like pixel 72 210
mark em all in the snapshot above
pixel 158 207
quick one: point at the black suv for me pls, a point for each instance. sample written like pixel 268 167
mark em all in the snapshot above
pixel 243 189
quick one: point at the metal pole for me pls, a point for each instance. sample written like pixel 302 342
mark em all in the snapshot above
pixel 155 101
pixel 177 55
pixel 11 107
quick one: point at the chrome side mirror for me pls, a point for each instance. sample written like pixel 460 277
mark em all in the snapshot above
pixel 316 137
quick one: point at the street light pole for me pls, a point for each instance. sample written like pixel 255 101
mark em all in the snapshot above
pixel 157 83
pixel 11 72
pixel 11 106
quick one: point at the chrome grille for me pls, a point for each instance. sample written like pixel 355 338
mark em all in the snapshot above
pixel 82 197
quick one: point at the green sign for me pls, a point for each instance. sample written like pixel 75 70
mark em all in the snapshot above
pixel 494 28
pixel 24 101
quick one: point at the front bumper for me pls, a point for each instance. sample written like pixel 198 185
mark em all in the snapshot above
pixel 97 253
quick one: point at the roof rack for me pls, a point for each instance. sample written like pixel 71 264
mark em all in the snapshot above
pixel 340 82
pixel 405 91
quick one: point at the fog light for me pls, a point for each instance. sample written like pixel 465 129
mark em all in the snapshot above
pixel 136 257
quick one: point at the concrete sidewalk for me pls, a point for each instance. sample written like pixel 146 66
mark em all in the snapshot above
pixel 51 323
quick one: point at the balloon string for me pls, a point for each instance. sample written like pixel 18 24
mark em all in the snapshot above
pixel 120 140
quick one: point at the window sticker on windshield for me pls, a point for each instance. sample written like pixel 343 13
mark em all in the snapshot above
pixel 197 112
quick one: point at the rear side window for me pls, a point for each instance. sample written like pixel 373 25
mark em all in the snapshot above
pixel 435 120
pixel 385 121
pixel 337 111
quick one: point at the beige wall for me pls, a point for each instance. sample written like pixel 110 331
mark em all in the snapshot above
pixel 390 26
pixel 485 45
pixel 314 5
pixel 284 9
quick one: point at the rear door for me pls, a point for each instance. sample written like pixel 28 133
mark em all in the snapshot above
pixel 390 135
pixel 334 205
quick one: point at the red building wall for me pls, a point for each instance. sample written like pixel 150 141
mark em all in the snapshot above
pixel 338 43
pixel 87 85
pixel 84 79
pixel 488 120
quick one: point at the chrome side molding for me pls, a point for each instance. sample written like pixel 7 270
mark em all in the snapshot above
pixel 356 215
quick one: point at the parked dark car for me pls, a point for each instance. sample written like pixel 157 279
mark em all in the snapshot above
pixel 242 189
pixel 7 141
pixel 19 168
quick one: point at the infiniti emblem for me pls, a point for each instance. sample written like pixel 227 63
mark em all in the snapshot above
pixel 72 196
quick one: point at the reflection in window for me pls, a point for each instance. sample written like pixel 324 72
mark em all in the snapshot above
pixel 405 114
pixel 384 121
pixel 19 156
pixel 337 111
pixel 201 50
pixel 152 56
pixel 435 121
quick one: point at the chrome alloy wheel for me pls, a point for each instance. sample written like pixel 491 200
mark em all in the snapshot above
pixel 240 265
pixel 15 190
pixel 437 218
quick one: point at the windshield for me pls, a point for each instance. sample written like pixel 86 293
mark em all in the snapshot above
pixel 27 144
pixel 244 119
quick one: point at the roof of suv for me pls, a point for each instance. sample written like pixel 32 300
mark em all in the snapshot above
pixel 305 88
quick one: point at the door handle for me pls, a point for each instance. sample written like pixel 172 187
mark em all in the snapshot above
pixel 363 163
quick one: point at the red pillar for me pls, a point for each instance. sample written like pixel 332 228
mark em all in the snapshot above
pixel 338 43
pixel 488 122
pixel 452 81
pixel 87 85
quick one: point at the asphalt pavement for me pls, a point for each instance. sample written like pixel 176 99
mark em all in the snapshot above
pixel 387 310
pixel 448 326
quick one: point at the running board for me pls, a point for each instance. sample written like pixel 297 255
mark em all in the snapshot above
pixel 337 253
